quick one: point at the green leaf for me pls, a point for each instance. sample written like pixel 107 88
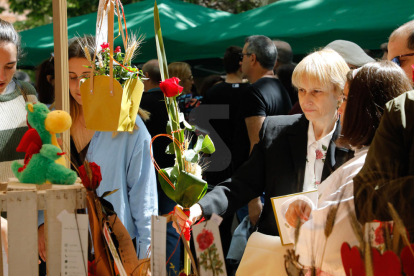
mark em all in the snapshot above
pixel 207 146
pixel 189 189
pixel 170 148
pixel 162 59
pixel 181 117
pixel 199 144
pixel 169 128
pixel 191 156
pixel 188 126
pixel 108 193
pixel 172 175
pixel 324 148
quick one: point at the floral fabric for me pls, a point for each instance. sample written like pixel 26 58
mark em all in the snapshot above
pixel 315 158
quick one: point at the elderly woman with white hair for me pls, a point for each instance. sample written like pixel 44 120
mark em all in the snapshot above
pixel 295 153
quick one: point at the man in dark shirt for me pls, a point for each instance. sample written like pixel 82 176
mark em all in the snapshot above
pixel 153 101
pixel 265 96
pixel 220 106
pixel 224 98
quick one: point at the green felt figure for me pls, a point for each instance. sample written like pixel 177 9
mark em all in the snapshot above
pixel 44 161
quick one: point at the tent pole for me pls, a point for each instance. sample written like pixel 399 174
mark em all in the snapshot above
pixel 60 34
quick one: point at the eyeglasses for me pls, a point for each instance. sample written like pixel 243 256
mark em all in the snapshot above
pixel 244 54
pixel 189 78
pixel 397 61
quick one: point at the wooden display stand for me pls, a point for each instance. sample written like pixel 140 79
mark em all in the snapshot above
pixel 22 202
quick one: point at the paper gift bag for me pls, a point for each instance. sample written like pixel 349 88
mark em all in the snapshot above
pixel 111 110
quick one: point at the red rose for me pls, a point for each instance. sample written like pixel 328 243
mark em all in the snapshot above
pixel 96 176
pixel 105 45
pixel 170 87
pixel 205 239
pixel 117 49
pixel 319 154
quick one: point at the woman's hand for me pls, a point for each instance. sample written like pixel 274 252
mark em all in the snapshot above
pixel 255 207
pixel 4 237
pixel 298 210
pixel 185 222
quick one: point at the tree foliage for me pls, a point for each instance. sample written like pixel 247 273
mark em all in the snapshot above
pixel 40 12
pixel 232 6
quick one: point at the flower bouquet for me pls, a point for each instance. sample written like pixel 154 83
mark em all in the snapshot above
pixel 183 182
pixel 111 96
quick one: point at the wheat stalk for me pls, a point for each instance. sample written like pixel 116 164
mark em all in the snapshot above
pixel 356 227
pixel 86 47
pixel 329 224
pixel 368 260
pixel 100 60
pixel 87 54
pixel 133 43
pixel 387 235
pixel 398 223
pixel 297 230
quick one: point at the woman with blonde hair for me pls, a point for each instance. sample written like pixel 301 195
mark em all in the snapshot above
pixel 367 91
pixel 295 153
pixel 187 101
pixel 182 70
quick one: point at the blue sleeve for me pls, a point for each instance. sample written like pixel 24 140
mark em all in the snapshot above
pixel 142 191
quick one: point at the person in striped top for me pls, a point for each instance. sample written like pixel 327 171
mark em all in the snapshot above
pixel 13 97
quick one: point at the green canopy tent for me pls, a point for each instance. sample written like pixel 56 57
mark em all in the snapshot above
pixel 176 16
pixel 306 25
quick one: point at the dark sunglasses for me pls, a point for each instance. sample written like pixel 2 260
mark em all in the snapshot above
pixel 397 61
pixel 244 54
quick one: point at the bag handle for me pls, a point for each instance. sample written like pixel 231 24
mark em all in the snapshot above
pixel 111 46
pixel 111 51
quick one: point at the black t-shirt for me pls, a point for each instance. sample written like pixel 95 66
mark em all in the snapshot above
pixel 228 96
pixel 265 97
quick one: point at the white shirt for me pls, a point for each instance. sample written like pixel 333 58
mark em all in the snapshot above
pixel 337 187
pixel 315 158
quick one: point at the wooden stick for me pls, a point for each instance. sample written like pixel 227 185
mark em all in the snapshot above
pixel 187 248
pixel 60 33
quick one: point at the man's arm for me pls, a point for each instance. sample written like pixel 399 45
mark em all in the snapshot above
pixel 253 125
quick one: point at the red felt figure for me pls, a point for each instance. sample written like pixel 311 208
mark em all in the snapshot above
pixel 386 264
pixel 407 259
pixel 30 144
pixel 352 261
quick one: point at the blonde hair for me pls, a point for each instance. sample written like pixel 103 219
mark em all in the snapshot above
pixel 181 70
pixel 326 67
